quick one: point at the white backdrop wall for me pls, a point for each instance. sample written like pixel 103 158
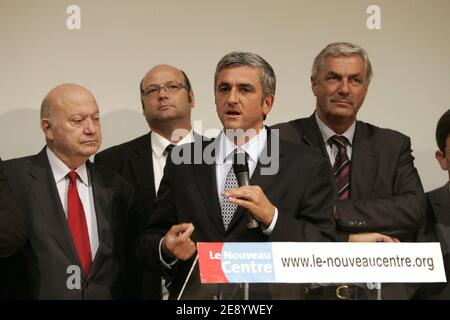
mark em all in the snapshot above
pixel 120 40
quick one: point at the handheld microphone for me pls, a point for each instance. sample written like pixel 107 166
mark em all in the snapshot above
pixel 240 168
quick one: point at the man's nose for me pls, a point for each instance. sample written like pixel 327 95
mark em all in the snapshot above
pixel 233 97
pixel 343 87
pixel 90 127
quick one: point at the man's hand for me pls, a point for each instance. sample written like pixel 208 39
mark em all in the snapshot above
pixel 371 237
pixel 253 199
pixel 177 242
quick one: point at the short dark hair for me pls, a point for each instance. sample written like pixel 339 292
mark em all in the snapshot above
pixel 443 130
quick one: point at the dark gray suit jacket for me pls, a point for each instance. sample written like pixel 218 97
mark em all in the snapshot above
pixel 188 193
pixel 386 194
pixel 437 229
pixel 43 263
pixel 12 220
pixel 133 161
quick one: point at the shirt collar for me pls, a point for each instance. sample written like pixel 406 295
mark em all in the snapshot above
pixel 159 143
pixel 60 169
pixel 327 132
pixel 253 147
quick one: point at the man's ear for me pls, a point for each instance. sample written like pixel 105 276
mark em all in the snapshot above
pixel 46 126
pixel 268 103
pixel 191 98
pixel 314 86
pixel 442 159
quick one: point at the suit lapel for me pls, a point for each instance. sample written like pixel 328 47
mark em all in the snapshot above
pixel 313 137
pixel 205 177
pixel 43 186
pixel 141 163
pixel 363 163
pixel 102 204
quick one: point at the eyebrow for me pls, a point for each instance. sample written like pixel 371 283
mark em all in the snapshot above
pixel 242 84
pixel 333 73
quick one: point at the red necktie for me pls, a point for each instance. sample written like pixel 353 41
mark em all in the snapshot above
pixel 77 223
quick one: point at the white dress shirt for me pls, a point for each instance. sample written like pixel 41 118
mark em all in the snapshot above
pixel 84 186
pixel 159 145
pixel 224 161
pixel 327 133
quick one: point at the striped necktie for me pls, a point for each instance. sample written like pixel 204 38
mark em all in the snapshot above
pixel 341 166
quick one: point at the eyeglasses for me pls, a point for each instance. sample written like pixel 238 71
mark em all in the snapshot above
pixel 170 87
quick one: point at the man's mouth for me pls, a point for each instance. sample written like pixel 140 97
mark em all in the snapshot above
pixel 342 102
pixel 232 113
pixel 90 142
pixel 165 106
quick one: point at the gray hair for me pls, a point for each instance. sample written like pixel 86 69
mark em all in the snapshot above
pixel 238 59
pixel 338 49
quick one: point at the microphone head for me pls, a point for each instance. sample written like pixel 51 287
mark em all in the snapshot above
pixel 240 161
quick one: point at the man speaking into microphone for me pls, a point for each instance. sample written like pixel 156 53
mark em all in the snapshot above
pixel 288 197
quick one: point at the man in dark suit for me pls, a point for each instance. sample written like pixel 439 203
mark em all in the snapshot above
pixel 437 227
pixel 13 235
pixel 199 199
pixel 76 212
pixel 378 190
pixel 167 100
pixel 12 221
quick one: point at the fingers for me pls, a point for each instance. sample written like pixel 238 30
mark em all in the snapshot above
pixel 371 237
pixel 183 230
pixel 254 200
pixel 179 228
pixel 383 238
pixel 245 192
pixel 178 243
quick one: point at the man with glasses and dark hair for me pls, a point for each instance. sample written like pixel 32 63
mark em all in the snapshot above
pixel 201 202
pixel 437 228
pixel 167 100
pixel 379 196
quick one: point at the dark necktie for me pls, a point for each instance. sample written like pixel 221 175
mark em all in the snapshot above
pixel 77 223
pixel 168 149
pixel 341 167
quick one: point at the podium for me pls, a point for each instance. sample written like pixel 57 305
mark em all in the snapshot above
pixel 287 270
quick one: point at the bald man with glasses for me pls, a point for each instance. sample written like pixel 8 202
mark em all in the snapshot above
pixel 167 101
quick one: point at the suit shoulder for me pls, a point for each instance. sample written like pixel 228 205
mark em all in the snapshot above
pixel 120 150
pixel 18 163
pixel 300 151
pixel 110 175
pixel 290 131
pixel 384 133
pixel 438 193
pixel 296 124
